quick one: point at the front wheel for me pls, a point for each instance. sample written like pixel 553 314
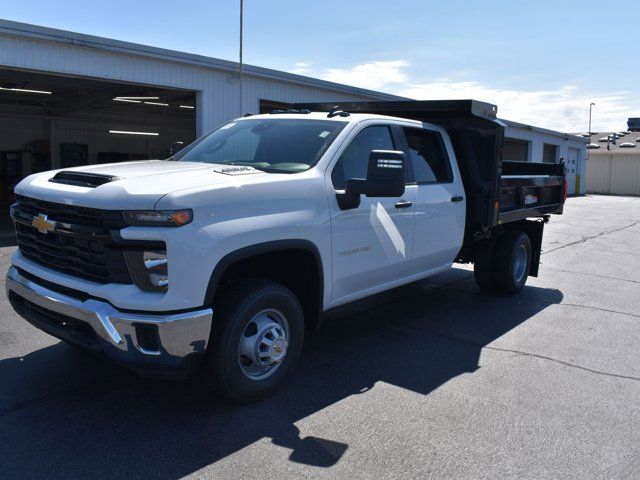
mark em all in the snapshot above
pixel 256 340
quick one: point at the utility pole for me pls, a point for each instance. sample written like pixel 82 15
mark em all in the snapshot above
pixel 240 62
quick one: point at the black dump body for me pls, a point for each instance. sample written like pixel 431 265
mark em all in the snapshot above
pixel 497 192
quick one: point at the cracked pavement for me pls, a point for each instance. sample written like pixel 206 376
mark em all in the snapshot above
pixel 432 380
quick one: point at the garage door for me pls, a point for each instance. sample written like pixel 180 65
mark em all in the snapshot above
pixel 515 150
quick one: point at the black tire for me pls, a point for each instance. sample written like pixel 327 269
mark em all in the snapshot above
pixel 483 265
pixel 232 317
pixel 511 262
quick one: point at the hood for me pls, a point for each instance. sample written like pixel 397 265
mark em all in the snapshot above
pixel 128 186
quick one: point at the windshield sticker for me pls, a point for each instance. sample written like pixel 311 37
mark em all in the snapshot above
pixel 228 125
pixel 324 134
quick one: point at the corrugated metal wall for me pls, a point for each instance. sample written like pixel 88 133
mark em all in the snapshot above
pixel 614 173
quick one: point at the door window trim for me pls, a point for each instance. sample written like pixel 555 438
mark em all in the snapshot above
pixel 407 152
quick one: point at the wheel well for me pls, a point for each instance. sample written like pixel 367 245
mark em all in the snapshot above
pixel 298 269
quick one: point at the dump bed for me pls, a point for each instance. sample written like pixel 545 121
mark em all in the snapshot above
pixel 497 192
pixel 530 190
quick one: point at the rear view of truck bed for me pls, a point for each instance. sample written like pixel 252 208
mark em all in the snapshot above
pixel 530 190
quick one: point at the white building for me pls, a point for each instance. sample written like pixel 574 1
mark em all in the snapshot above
pixel 533 144
pixel 68 99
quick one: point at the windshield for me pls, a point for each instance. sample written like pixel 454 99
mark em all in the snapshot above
pixel 271 145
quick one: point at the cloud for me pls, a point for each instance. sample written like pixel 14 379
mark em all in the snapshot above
pixel 565 108
pixel 372 75
pixel 302 68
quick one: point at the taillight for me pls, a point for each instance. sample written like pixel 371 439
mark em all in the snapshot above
pixel 565 191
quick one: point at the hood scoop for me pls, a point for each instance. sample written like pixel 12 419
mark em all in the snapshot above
pixel 83 179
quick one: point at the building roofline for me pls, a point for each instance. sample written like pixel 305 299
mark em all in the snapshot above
pixel 567 136
pixel 37 32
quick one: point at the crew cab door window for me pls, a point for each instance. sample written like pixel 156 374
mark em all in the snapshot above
pixel 354 160
pixel 427 156
pixel 373 243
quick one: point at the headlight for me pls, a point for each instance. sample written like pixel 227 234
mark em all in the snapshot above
pixel 157 218
pixel 149 269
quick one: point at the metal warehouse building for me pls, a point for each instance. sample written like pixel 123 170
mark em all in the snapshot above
pixel 614 161
pixel 69 99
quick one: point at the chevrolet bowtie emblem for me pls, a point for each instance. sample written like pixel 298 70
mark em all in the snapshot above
pixel 43 224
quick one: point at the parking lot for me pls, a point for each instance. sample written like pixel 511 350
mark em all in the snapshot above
pixel 432 380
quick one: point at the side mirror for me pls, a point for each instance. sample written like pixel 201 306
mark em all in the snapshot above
pixel 385 176
pixel 175 148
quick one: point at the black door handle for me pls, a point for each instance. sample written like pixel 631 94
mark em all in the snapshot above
pixel 403 204
pixel 457 198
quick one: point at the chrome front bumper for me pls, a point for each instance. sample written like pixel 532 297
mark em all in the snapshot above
pixel 154 343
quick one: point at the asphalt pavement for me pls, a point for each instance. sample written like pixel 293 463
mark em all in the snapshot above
pixel 432 380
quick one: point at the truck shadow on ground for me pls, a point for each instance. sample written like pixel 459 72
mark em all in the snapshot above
pixel 66 414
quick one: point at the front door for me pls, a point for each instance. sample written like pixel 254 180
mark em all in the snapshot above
pixel 372 244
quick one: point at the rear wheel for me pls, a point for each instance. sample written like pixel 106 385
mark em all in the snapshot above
pixel 256 340
pixel 511 262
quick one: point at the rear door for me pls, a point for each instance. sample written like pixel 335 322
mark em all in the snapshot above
pixel 372 244
pixel 440 199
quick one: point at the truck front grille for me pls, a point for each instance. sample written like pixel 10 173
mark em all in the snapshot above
pixel 81 245
pixel 91 217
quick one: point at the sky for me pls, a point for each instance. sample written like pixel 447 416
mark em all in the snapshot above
pixel 542 62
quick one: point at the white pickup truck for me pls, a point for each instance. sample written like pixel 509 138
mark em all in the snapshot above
pixel 223 255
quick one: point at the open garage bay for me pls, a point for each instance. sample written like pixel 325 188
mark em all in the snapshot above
pixel 54 121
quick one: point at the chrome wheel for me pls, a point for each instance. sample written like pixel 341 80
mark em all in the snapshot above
pixel 520 263
pixel 263 345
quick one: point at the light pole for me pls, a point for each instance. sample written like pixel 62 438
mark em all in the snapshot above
pixel 240 63
pixel 589 146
